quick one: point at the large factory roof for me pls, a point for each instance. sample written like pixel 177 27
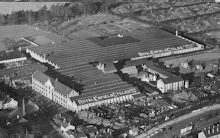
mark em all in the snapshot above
pixel 83 51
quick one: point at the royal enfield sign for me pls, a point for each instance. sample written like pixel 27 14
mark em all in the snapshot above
pixel 106 96
pixel 153 52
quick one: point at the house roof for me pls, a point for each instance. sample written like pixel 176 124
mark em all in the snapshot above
pixel 135 129
pixel 80 135
pixel 172 79
pixel 65 124
pixel 90 129
pixel 212 131
pixel 70 132
pixel 57 85
pixel 110 67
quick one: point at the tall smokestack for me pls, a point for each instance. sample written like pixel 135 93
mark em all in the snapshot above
pixel 23 108
pixel 202 78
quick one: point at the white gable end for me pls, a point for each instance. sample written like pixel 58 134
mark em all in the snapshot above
pixel 49 83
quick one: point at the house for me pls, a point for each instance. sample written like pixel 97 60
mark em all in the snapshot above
pixel 173 83
pixel 11 104
pixel 66 126
pixel 134 131
pixel 210 132
pixel 90 130
pixel 53 89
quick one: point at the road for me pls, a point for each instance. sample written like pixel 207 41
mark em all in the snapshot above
pixel 179 119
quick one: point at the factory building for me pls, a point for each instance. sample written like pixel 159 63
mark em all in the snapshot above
pixel 83 102
pixel 149 43
pixel 210 132
pixel 53 89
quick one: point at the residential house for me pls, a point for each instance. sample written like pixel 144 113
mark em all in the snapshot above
pixel 11 104
pixel 90 130
pixel 134 131
pixel 66 126
pixel 53 89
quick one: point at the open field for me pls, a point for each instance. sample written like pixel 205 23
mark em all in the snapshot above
pixel 16 32
pixel 96 25
pixel 9 7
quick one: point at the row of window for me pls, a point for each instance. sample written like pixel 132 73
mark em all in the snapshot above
pixel 56 97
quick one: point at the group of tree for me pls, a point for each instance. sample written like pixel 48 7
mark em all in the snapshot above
pixel 60 12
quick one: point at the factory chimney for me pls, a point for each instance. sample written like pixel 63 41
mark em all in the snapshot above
pixel 23 108
pixel 202 78
pixel 217 129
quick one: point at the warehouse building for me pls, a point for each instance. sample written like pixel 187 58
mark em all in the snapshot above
pixel 53 89
pixel 147 43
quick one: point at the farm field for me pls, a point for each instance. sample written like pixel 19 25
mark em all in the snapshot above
pixel 9 7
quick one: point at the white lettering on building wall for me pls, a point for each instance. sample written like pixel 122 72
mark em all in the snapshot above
pixel 152 52
pixel 107 96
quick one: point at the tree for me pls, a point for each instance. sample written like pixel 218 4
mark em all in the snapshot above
pixel 12 18
pixel 30 17
pixel 9 43
pixel 3 19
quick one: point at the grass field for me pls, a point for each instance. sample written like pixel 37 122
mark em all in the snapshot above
pixel 16 32
pixel 9 7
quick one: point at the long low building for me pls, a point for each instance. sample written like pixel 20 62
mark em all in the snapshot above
pixel 83 102
pixel 138 45
pixel 11 57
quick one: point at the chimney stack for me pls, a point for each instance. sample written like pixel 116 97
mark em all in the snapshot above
pixel 23 108
pixel 217 129
pixel 55 82
pixel 176 32
pixel 213 129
